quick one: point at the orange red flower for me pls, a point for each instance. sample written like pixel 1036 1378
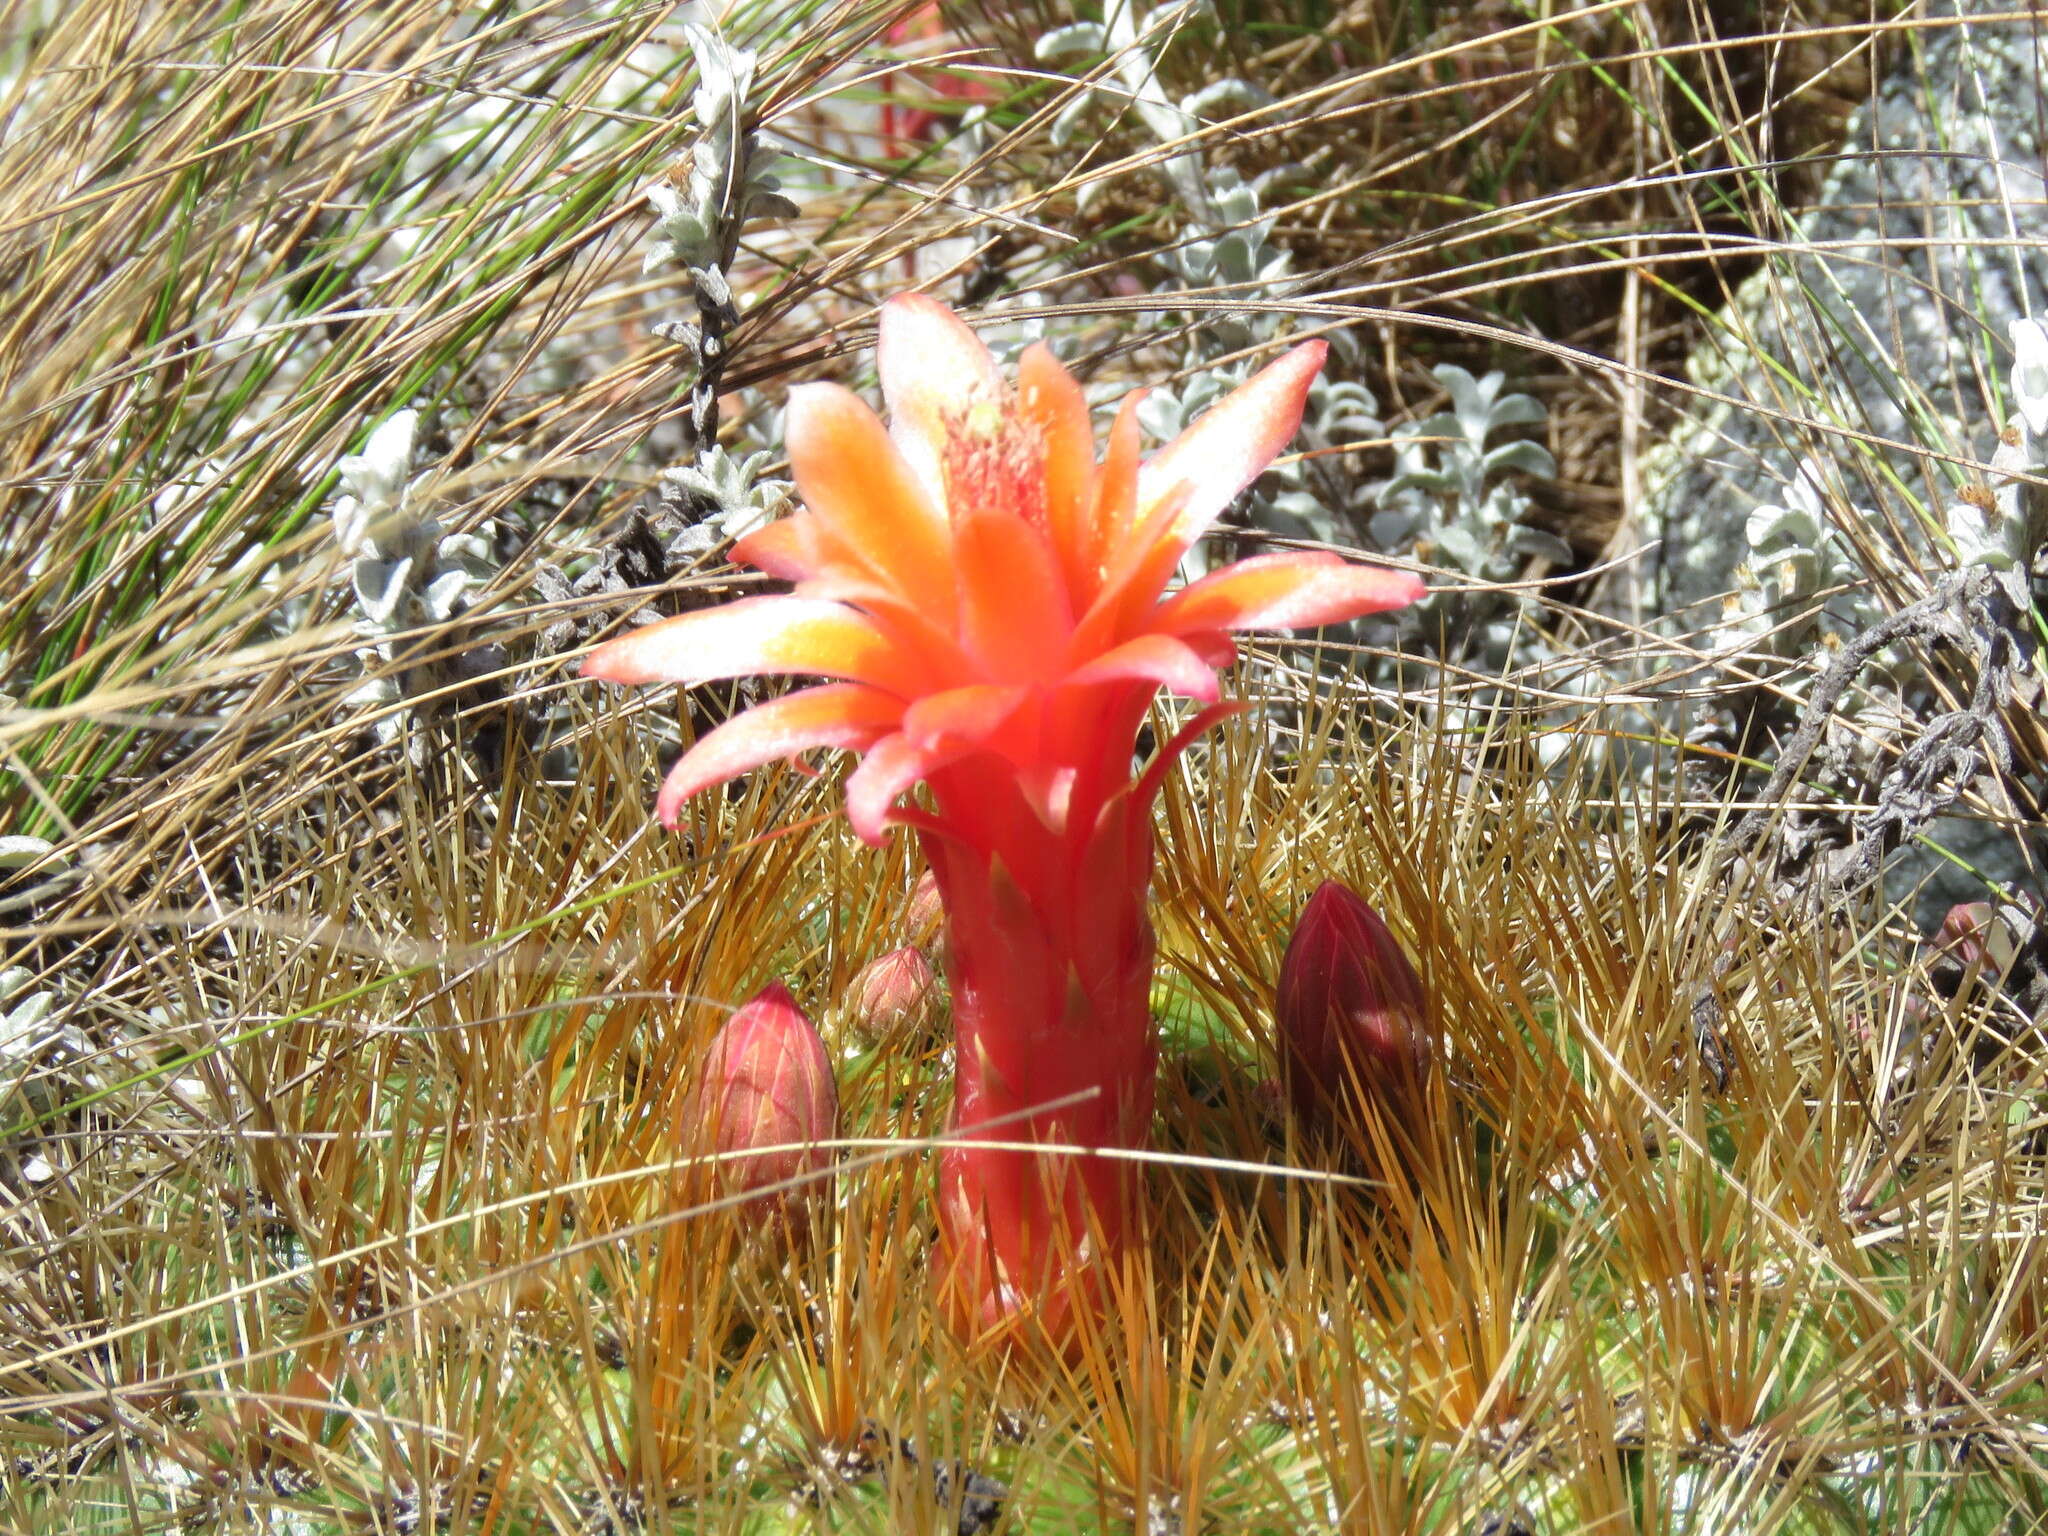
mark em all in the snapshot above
pixel 975 582
pixel 987 604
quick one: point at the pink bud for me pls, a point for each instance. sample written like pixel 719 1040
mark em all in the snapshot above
pixel 924 921
pixel 1350 1006
pixel 1965 933
pixel 893 991
pixel 926 911
pixel 768 1083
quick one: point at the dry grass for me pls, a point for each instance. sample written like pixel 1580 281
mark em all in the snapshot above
pixel 354 1200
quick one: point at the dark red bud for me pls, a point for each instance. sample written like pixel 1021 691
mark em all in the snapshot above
pixel 1350 1005
pixel 768 1084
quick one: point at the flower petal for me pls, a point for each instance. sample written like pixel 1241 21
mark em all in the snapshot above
pixel 1113 514
pixel 843 715
pixel 1288 591
pixel 910 627
pixel 766 635
pixel 961 718
pixel 935 375
pixel 803 548
pixel 1052 403
pixel 892 766
pixel 1163 659
pixel 1014 617
pixel 1232 442
pixel 786 549
pixel 856 484
pixel 1137 573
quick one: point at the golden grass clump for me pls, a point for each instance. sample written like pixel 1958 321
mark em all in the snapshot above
pixel 422 1240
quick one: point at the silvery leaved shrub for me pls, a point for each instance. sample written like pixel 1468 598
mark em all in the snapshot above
pixel 2009 533
pixel 1801 571
pixel 728 182
pixel 716 497
pixel 1459 499
pixel 1133 84
pixel 410 577
pixel 1225 253
pixel 1457 496
pixel 733 495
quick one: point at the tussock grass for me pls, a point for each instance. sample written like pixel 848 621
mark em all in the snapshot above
pixel 357 1194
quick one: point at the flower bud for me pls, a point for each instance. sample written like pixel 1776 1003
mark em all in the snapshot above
pixel 925 911
pixel 1350 1006
pixel 895 991
pixel 1966 932
pixel 768 1084
pixel 924 921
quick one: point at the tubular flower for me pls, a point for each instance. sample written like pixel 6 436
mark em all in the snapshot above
pixel 988 606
